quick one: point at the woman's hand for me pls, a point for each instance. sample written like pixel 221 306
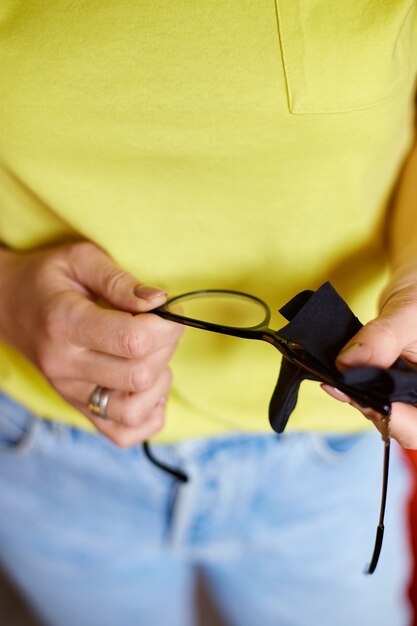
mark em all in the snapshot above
pixel 83 322
pixel 381 342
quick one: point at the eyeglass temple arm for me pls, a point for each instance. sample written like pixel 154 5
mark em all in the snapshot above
pixel 177 473
pixel 385 472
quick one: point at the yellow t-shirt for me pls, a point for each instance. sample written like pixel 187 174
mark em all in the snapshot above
pixel 243 145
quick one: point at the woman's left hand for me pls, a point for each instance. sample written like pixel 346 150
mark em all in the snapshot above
pixel 380 342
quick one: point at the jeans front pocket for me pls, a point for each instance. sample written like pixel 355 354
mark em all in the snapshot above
pixel 344 56
pixel 18 427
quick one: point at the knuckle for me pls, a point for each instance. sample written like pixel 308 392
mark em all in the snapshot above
pixel 114 280
pixel 49 361
pixel 53 320
pixel 384 329
pixel 146 343
pixel 140 379
pixel 127 419
pixel 131 415
pixel 134 345
pixel 131 345
pixel 122 439
pixel 82 250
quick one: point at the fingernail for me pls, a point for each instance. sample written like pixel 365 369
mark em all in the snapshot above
pixel 334 392
pixel 149 293
pixel 163 401
pixel 356 353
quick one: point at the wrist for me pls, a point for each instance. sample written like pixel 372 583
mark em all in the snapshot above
pixel 402 280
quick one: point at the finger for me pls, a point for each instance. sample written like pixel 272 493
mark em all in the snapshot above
pixel 335 393
pixel 133 410
pixel 94 269
pixel 381 341
pixel 403 425
pixel 128 436
pixel 117 373
pixel 130 409
pixel 402 421
pixel 116 332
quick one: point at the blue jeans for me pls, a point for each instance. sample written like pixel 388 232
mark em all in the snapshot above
pixel 280 528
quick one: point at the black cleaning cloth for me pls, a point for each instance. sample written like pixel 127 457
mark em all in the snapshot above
pixel 322 323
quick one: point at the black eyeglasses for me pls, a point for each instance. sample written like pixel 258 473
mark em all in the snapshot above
pixel 242 315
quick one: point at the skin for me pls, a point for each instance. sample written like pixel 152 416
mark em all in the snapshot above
pixel 51 312
pixel 394 332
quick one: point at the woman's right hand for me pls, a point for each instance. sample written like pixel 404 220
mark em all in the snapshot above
pixel 83 322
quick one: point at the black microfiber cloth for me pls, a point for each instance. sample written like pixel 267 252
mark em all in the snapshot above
pixel 322 323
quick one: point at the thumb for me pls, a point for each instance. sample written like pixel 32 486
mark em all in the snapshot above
pixel 382 340
pixel 95 270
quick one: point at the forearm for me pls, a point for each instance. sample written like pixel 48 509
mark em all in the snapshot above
pixel 7 261
pixel 402 225
pixel 394 332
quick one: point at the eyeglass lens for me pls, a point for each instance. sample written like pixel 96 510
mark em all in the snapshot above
pixel 225 308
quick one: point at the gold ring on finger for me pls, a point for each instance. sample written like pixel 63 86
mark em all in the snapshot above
pixel 98 401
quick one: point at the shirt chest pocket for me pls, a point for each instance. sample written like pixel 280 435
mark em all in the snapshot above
pixel 347 54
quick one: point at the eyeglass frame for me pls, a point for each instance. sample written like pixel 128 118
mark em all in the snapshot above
pixel 263 332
